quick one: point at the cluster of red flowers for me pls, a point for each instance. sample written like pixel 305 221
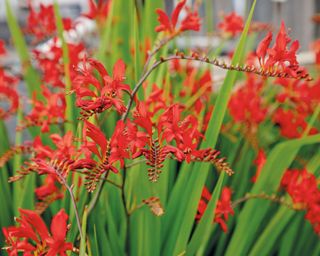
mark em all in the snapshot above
pixel 302 186
pixel 50 110
pixel 232 24
pixel 33 238
pixel 40 23
pixel 51 65
pixel 246 105
pixel 298 101
pixel 223 208
pixel 94 96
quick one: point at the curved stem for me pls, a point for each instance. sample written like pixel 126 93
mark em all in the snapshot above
pixel 126 210
pixel 214 62
pixel 96 196
pixel 73 200
pixel 272 198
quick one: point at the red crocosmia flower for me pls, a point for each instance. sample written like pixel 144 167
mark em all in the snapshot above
pixel 107 151
pixel 156 101
pixel 292 123
pixel 41 25
pixel 14 246
pixel 303 189
pixel 56 243
pixel 2 48
pixel 223 208
pixel 32 237
pixel 143 118
pixel 280 57
pixel 259 162
pixel 202 206
pixel 51 64
pixel 246 105
pixel 98 10
pixel 8 94
pixel 49 188
pixel 232 24
pixel 11 96
pixel 57 160
pixel 263 47
pixel 50 110
pixel 100 96
pixel 169 25
pixel 203 84
pixel 191 21
pixel 48 193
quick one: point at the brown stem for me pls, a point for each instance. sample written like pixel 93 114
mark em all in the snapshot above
pixel 272 198
pixel 157 48
pixel 126 210
pixel 214 62
pixel 73 200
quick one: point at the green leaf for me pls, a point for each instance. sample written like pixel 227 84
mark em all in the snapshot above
pixel 204 228
pixel 66 64
pixel 29 74
pixel 84 233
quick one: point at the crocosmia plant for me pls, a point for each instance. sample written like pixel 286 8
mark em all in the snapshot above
pixel 116 139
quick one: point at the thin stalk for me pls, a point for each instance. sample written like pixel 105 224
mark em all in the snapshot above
pixel 96 196
pixel 272 198
pixel 214 62
pixel 73 200
pixel 126 210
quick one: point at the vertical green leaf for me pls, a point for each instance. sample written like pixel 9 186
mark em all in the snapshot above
pixel 29 74
pixel 84 233
pixel 69 126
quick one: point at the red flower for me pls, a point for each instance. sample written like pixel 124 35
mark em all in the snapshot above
pixel 108 152
pixel 32 228
pixel 281 57
pixel 303 188
pixel 232 24
pixel 51 64
pixel 190 22
pixel 106 94
pixel 10 95
pixel 246 105
pixel 98 10
pixel 223 208
pixel 56 243
pixel 292 123
pixel 50 110
pixel 259 162
pixel 49 188
pixel 263 47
